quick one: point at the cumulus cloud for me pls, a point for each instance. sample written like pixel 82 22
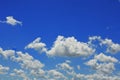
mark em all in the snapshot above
pixel 94 77
pixel 7 53
pixel 55 75
pixel 103 58
pixel 27 61
pixel 10 20
pixel 39 73
pixel 106 68
pixel 102 63
pixel 99 66
pixel 63 47
pixel 70 47
pixel 3 69
pixel 64 66
pixel 92 63
pixel 110 45
pixel 19 73
pixel 37 45
pixel 30 65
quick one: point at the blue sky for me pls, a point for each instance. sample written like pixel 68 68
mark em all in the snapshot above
pixel 80 37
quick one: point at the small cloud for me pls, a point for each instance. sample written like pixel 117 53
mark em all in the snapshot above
pixel 37 45
pixel 78 67
pixel 10 20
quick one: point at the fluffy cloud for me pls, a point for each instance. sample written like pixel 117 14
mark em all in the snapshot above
pixel 65 66
pixel 19 73
pixel 3 70
pixel 64 47
pixel 92 63
pixel 27 61
pixel 102 63
pixel 7 53
pixel 94 77
pixel 106 68
pixel 103 58
pixel 37 45
pixel 70 47
pixel 10 20
pixel 55 75
pixel 32 66
pixel 99 66
pixel 38 74
pixel 111 46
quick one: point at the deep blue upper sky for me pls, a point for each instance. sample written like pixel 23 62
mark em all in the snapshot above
pixel 49 18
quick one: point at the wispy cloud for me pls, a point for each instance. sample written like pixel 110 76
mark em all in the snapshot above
pixel 12 21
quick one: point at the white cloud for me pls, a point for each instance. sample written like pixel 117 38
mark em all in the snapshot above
pixel 70 47
pixel 93 38
pixel 19 73
pixel 64 47
pixel 27 61
pixel 3 70
pixel 95 76
pixel 38 74
pixel 105 68
pixel 37 45
pixel 92 63
pixel 102 63
pixel 65 66
pixel 7 53
pixel 68 61
pixel 10 20
pixel 30 65
pixel 103 58
pixel 110 45
pixel 78 67
pixel 100 67
pixel 55 75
